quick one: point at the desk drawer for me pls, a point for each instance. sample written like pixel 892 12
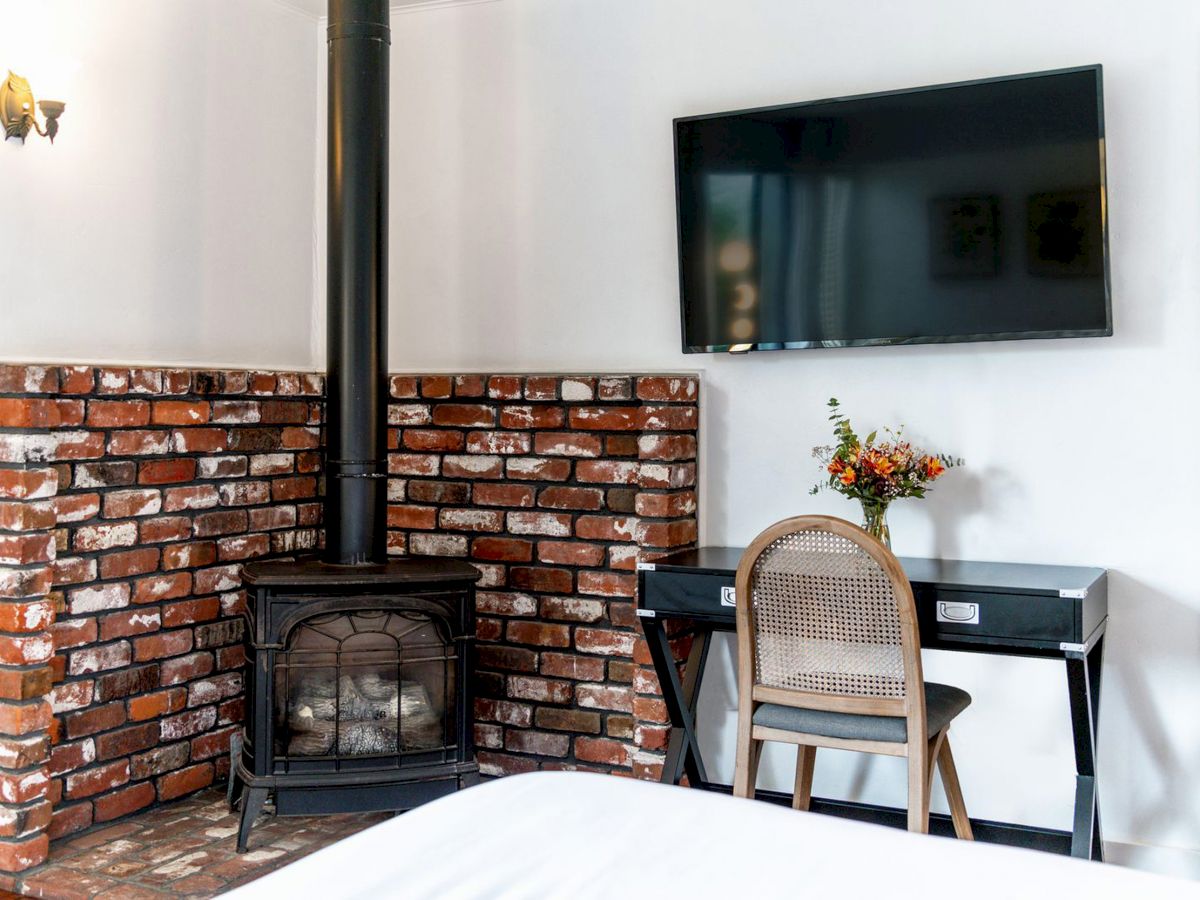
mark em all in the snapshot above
pixel 1020 617
pixel 688 594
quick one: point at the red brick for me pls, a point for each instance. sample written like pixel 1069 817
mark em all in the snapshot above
pixel 514 659
pixel 425 464
pixel 162 587
pixel 116 685
pixel 604 642
pixel 26 649
pixel 607 471
pixel 215 743
pixel 165 528
pixel 541 634
pixel 76 379
pixel 667 534
pixel 100 659
pixel 180 412
pixel 29 412
pixel 123 802
pixel 464 415
pixel 69 445
pixel 572 609
pixel 20 379
pixel 529 469
pixel 473 467
pixel 69 819
pixel 562 443
pixel 19 855
pixel 651 709
pixel 539 742
pixel 540 690
pixel 26 516
pixel 157 646
pixel 138 443
pixel 185 668
pixel 618 387
pixel 667 446
pixel 185 781
pixel 412 516
pixel 272 518
pixel 190 612
pixel 69 757
pixel 489 629
pixel 569 553
pixel 433 439
pixel 217 579
pixel 604 696
pixel 118 413
pixel 502 442
pixel 670 418
pixel 503 495
pixel 295 438
pixel 607 584
pixel 215 523
pixel 156 705
pixel 166 471
pixel 497 764
pixel 180 556
pixel 436 386
pixel 129 562
pixel 606 528
pixel 531 417
pixel 28 484
pixel 128 504
pixel 471 519
pixel 403 386
pixel 541 387
pixel 409 414
pixel 66 570
pixel 96 597
pixel 126 740
pixel 26 549
pixel 283 489
pixel 503 549
pixel 667 389
pixel 666 506
pixel 606 418
pixel 94 719
pixel 469 385
pixel 551 524
pixel 541 579
pixel 504 387
pixel 34 615
pixel 188 723
pixel 602 750
pixel 70 633
pixel 75 507
pixel 283 412
pixel 243 547
pixel 194 496
pixel 112 381
pixel 24 718
pixel 505 604
pixel 124 624
pixel 571 498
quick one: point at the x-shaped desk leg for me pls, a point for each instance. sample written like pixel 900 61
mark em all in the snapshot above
pixel 1083 685
pixel 683 751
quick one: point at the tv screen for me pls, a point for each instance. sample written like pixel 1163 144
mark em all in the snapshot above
pixel 962 212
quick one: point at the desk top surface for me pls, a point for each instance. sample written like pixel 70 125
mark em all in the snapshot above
pixel 949 574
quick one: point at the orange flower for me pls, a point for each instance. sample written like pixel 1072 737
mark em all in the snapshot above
pixel 848 476
pixel 836 466
pixel 933 467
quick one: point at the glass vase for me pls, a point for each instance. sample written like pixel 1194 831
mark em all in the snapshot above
pixel 875 521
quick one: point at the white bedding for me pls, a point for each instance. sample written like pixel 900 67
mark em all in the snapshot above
pixel 574 835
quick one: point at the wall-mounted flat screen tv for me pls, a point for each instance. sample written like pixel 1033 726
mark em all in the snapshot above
pixel 962 212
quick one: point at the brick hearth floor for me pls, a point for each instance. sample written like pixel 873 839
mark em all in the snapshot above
pixel 182 849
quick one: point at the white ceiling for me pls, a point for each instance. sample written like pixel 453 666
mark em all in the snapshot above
pixel 318 8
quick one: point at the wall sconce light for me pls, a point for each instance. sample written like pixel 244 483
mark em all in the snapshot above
pixel 16 110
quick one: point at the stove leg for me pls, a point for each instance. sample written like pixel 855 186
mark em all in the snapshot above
pixel 233 791
pixel 253 800
pixel 470 779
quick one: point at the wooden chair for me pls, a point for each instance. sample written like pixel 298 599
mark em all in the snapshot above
pixel 829 656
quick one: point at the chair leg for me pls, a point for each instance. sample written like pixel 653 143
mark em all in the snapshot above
pixel 918 787
pixel 958 809
pixel 745 774
pixel 806 758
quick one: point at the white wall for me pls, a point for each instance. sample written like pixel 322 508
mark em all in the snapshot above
pixel 533 228
pixel 172 221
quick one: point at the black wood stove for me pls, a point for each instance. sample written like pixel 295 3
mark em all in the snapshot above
pixel 358 679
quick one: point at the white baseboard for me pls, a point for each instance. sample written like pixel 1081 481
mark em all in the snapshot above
pixel 1163 860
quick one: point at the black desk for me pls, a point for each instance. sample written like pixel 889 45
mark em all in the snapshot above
pixel 1059 612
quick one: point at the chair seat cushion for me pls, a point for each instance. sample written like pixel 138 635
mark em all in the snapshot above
pixel 942 704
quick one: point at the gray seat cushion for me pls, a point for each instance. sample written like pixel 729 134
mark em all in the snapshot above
pixel 942 704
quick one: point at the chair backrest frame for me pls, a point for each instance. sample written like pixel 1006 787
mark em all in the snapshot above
pixel 751 693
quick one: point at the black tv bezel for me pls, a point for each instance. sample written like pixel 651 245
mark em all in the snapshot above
pixel 1107 331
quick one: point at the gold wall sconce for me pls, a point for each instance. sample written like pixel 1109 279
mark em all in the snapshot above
pixel 16 110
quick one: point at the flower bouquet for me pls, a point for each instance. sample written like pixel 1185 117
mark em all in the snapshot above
pixel 874 473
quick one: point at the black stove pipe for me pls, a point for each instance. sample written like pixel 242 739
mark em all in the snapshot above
pixel 357 390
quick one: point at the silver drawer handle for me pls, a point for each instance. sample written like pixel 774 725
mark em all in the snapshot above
pixel 727 597
pixel 959 613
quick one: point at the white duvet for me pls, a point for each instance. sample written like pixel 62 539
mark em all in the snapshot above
pixel 574 835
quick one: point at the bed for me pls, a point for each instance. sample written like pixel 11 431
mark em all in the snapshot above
pixel 575 835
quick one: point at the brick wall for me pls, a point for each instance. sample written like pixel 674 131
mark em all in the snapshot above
pixel 553 486
pixel 134 496
pixel 130 497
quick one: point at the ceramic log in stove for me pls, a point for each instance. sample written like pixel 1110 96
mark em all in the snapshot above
pixel 359 696
pixel 358 668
